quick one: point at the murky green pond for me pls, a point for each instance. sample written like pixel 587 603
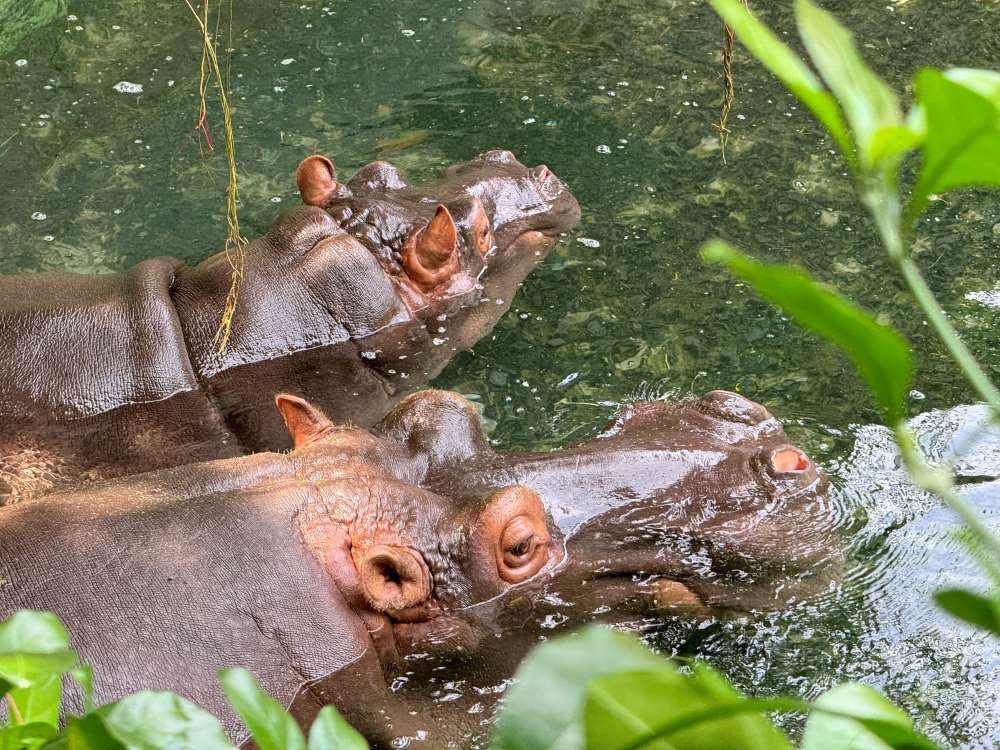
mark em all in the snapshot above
pixel 101 167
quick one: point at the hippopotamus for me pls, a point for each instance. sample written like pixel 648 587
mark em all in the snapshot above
pixel 334 571
pixel 353 300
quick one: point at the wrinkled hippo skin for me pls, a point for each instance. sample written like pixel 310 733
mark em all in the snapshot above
pixel 352 301
pixel 345 564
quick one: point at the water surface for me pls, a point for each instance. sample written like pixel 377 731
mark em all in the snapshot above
pixel 102 167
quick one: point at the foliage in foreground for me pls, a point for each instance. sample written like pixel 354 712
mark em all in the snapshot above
pixel 954 124
pixel 597 689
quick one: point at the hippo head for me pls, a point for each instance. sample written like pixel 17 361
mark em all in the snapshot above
pixel 477 229
pixel 692 507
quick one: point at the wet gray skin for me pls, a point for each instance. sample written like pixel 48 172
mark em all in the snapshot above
pixel 366 557
pixel 112 375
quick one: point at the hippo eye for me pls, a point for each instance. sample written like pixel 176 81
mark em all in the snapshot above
pixel 522 549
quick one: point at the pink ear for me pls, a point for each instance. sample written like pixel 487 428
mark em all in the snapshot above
pixel 304 421
pixel 317 180
pixel 430 255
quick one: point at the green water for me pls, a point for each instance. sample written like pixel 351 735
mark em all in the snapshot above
pixel 618 97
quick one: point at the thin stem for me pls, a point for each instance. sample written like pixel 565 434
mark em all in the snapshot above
pixel 882 202
pixel 940 483
pixel 948 335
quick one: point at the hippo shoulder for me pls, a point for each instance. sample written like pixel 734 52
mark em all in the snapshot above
pixel 79 345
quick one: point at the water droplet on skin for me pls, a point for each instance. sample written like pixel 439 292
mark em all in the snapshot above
pixel 368 355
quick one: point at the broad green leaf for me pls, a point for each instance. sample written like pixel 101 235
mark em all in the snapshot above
pixel 40 702
pixel 868 103
pixel 961 116
pixel 891 142
pixel 23 669
pixel 330 731
pixel 787 67
pixel 864 720
pixel 37 632
pixel 269 723
pixel 151 720
pixel 544 709
pixel 87 733
pixel 622 708
pixel 26 736
pixel 978 610
pixel 880 354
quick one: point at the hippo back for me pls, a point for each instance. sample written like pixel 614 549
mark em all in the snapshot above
pixel 166 578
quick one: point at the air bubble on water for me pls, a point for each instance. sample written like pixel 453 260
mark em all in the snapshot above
pixel 275 199
pixel 288 61
pixel 48 238
pixel 603 149
pixel 554 620
pixel 127 87
pixel 72 17
pixel 407 32
pixel 917 395
pixel 528 121
pixel 568 379
pixel 279 89
pixel 117 211
pixel 588 242
pixel 39 216
pixel 21 62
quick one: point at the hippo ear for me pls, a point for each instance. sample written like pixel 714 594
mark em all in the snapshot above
pixel 317 180
pixel 430 255
pixel 305 422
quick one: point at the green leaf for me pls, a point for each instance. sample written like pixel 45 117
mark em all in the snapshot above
pixel 86 733
pixel 880 354
pixel 330 731
pixel 977 610
pixel 269 723
pixel 961 115
pixel 40 702
pixel 706 711
pixel 787 67
pixel 26 736
pixel 864 720
pixel 151 720
pixel 38 632
pixel 84 676
pixel 24 670
pixel 869 104
pixel 544 708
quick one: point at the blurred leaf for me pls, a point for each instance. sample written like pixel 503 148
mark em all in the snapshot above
pixel 26 736
pixel 894 141
pixel 149 720
pixel 961 115
pixel 85 733
pixel 622 708
pixel 40 702
pixel 269 723
pixel 787 67
pixel 544 708
pixel 866 721
pixel 84 675
pixel 330 731
pixel 879 353
pixel 975 609
pixel 38 632
pixel 868 103
pixel 23 669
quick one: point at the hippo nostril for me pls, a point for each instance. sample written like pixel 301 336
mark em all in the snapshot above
pixel 541 172
pixel 788 460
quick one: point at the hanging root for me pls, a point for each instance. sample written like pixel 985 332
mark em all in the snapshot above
pixel 729 92
pixel 235 242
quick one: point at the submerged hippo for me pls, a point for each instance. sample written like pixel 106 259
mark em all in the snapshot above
pixel 108 375
pixel 337 569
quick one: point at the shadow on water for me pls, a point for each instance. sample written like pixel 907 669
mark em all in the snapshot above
pixel 618 97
